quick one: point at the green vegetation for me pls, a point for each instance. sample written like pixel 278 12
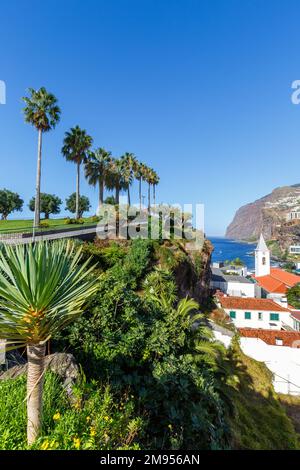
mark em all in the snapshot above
pixel 148 379
pixel 25 225
pixel 77 207
pixel 293 295
pixel 43 288
pixel 9 202
pixel 235 262
pixel 260 420
pixel 49 204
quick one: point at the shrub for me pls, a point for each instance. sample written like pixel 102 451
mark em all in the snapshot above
pixel 98 418
pixel 44 224
pixel 95 219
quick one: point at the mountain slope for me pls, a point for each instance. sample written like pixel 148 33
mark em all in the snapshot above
pixel 265 215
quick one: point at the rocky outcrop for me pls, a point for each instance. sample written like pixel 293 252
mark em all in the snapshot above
pixel 193 274
pixel 265 215
pixel 61 364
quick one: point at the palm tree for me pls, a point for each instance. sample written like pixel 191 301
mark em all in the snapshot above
pixel 42 112
pixel 149 179
pixel 43 287
pixel 139 173
pixel 155 181
pixel 97 170
pixel 129 162
pixel 75 148
pixel 117 178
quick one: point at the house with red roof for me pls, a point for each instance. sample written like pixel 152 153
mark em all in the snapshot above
pixel 256 313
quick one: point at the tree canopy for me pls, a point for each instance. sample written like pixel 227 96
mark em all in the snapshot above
pixel 50 204
pixel 9 202
pixel 293 295
pixel 84 204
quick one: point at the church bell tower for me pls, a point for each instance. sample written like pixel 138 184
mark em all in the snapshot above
pixel 262 258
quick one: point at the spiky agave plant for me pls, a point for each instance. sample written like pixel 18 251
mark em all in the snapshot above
pixel 43 287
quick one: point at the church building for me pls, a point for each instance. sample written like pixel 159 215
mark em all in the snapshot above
pixel 273 282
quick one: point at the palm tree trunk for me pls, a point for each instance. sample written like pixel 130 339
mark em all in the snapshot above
pixel 154 196
pixel 35 382
pixel 77 191
pixel 128 196
pixel 38 181
pixel 149 201
pixel 101 191
pixel 117 194
pixel 117 210
pixel 140 192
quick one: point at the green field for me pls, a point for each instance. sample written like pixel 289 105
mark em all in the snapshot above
pixel 13 226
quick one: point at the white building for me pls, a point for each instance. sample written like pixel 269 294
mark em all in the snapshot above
pixel 232 284
pixel 256 313
pixel 262 258
pixel 293 215
pixel 294 250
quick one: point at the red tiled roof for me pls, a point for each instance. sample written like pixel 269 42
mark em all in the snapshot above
pixel 270 284
pixel 248 303
pixel 278 281
pixel 289 338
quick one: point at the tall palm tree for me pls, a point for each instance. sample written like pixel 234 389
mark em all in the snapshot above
pixel 155 181
pixel 129 162
pixel 42 112
pixel 75 149
pixel 149 179
pixel 97 169
pixel 139 173
pixel 43 287
pixel 117 178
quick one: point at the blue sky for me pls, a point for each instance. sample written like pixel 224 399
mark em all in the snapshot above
pixel 199 90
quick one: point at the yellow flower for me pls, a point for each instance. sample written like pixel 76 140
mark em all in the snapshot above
pixel 53 444
pixel 88 418
pixel 76 441
pixel 45 445
pixel 92 431
pixel 56 416
pixel 106 418
pixel 77 405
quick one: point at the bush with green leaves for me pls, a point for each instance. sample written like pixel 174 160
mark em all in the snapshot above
pixel 95 419
pixel 140 338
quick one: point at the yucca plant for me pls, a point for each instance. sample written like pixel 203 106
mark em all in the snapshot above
pixel 43 287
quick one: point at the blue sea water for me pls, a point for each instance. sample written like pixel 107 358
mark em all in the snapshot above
pixel 226 249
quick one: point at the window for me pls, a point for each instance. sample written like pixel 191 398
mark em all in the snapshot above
pixel 278 341
pixel 264 260
pixel 274 316
pixel 260 316
pixel 247 315
pixel 232 314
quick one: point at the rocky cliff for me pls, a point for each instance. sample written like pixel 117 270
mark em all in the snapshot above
pixel 266 215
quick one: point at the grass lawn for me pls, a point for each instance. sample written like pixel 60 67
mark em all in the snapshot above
pixel 11 226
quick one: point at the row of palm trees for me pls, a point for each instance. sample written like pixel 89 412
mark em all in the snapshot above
pixel 101 168
pixel 118 174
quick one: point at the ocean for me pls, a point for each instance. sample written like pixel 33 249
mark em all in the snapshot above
pixel 226 249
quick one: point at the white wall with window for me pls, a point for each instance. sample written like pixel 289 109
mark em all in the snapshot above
pixel 258 319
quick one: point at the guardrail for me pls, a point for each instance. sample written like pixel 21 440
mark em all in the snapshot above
pixel 27 234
